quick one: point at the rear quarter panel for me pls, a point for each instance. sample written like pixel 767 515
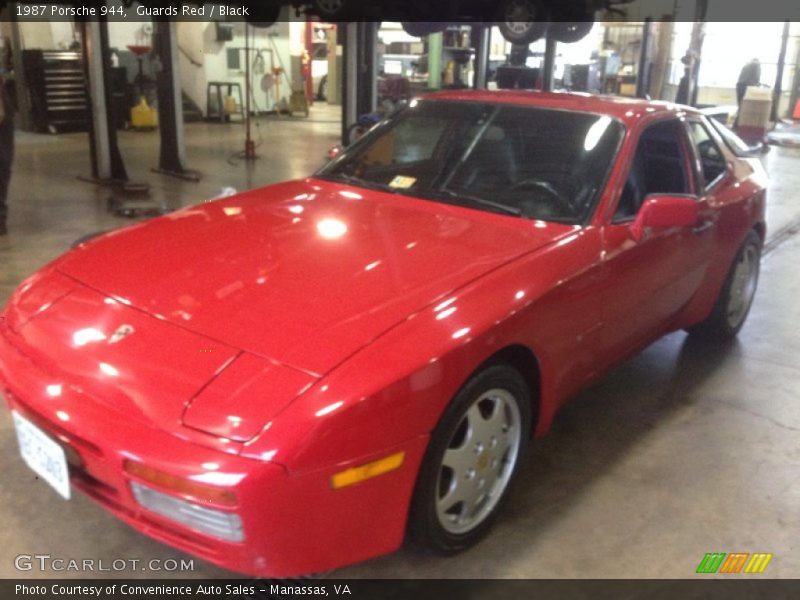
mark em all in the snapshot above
pixel 740 203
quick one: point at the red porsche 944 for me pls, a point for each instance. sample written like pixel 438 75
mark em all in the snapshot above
pixel 302 376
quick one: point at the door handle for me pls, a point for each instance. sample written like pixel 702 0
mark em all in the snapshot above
pixel 704 226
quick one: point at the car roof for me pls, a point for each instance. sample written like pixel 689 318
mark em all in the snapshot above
pixel 627 110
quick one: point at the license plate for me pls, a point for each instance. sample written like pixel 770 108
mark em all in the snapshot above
pixel 42 454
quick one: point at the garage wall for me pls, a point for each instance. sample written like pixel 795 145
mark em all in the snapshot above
pixel 202 58
pixel 46 35
pixel 722 60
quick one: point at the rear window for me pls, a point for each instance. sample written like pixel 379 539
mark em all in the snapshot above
pixel 734 143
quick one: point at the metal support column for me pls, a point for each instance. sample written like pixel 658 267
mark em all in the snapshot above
pixel 311 93
pixel 549 65
pixel 482 57
pixel 360 81
pixel 172 158
pixel 20 81
pixel 435 47
pixel 107 165
pixel 795 94
pixel 368 67
pixel 348 32
pixel 698 35
pixel 778 89
pixel 643 71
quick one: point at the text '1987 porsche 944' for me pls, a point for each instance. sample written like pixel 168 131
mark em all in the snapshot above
pixel 301 376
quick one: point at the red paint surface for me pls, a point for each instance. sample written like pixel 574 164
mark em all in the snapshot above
pixel 287 333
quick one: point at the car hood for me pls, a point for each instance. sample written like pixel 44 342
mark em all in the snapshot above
pixel 116 357
pixel 304 273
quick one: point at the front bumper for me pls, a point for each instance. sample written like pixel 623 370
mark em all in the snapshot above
pixel 293 523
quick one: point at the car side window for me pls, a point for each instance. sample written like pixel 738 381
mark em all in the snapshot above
pixel 658 167
pixel 711 158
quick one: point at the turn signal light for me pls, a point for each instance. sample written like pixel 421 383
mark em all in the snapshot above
pixel 368 471
pixel 196 491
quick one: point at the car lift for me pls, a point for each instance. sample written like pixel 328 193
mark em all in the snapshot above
pixel 359 94
pixel 172 158
pixel 360 71
pixel 107 166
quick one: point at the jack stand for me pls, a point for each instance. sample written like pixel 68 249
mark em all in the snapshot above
pixel 250 150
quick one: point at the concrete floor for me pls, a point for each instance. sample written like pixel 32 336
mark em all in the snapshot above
pixel 683 450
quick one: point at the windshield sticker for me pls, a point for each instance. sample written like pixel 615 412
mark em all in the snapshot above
pixel 402 182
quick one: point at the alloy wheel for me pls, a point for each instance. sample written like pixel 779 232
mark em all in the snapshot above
pixel 743 287
pixel 479 461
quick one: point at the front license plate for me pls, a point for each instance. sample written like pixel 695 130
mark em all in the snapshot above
pixel 42 454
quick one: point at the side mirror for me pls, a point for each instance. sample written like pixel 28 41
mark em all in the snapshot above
pixel 665 212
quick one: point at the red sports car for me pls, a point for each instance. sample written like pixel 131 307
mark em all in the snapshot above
pixel 295 378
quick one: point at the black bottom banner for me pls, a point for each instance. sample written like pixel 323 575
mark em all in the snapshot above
pixel 405 589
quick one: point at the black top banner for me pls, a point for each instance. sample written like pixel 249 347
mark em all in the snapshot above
pixel 483 11
pixel 399 589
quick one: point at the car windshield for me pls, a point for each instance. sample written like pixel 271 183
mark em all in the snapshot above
pixel 530 162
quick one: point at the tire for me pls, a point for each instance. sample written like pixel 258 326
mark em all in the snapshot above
pixel 481 466
pixel 322 90
pixel 333 11
pixel 354 133
pixel 568 32
pixel 263 14
pixel 736 297
pixel 522 21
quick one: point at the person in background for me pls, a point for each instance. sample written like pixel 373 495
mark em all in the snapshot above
pixel 749 75
pixel 6 140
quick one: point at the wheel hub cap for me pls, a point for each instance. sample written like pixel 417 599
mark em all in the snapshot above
pixel 519 15
pixel 743 287
pixel 330 5
pixel 478 462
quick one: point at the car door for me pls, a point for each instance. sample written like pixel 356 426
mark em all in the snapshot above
pixel 716 181
pixel 649 281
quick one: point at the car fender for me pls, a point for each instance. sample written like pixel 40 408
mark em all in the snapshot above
pixel 397 388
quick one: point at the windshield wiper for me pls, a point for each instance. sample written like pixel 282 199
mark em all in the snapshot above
pixel 452 197
pixel 444 195
pixel 358 182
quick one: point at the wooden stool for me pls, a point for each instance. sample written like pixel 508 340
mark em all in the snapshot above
pixel 215 89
